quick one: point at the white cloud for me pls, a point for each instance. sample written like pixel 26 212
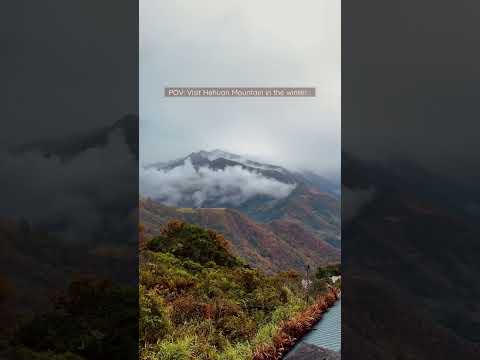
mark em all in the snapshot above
pixel 241 43
pixel 183 185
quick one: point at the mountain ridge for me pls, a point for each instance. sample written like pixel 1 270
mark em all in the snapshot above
pixel 268 186
pixel 74 144
pixel 272 247
pixel 274 217
pixel 219 159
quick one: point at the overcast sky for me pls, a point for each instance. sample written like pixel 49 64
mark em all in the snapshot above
pixel 68 73
pixel 411 88
pixel 241 43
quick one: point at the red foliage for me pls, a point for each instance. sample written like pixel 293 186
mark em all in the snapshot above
pixel 172 228
pixel 185 308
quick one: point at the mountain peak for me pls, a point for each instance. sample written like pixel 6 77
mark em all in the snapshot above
pixel 217 154
pixel 224 158
pixel 218 178
pixel 71 146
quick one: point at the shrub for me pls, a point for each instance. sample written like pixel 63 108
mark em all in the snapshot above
pixel 194 243
pixel 90 319
pixel 154 322
pixel 186 308
pixel 238 351
pixel 175 350
pixel 237 327
pixel 328 271
pixel 213 306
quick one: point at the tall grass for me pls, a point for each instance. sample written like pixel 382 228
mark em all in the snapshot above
pixel 287 333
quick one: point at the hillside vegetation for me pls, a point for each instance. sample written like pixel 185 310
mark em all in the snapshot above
pixel 199 301
pixel 272 247
pixel 196 300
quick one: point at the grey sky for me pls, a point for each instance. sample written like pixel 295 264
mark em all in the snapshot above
pixel 241 43
pixel 411 90
pixel 67 73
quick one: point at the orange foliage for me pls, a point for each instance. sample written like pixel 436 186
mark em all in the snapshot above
pixel 177 285
pixel 172 227
pixel 185 308
pixel 220 239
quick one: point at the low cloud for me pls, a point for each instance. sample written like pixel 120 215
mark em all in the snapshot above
pixel 86 198
pixel 185 186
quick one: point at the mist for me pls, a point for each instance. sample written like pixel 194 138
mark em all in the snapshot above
pixel 230 186
pixel 242 43
pixel 78 199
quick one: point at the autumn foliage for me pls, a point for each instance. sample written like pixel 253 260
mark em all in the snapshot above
pixel 200 301
pixel 292 330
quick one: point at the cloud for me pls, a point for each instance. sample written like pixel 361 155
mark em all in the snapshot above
pixel 185 186
pixel 241 43
pixel 86 198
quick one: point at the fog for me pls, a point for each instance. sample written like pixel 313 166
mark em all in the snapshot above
pixel 241 43
pixel 183 185
pixel 80 198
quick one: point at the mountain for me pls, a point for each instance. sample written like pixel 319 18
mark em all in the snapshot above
pixel 412 259
pixel 219 160
pixel 34 265
pixel 264 192
pixel 71 146
pixel 274 217
pixel 273 246
pixel 69 213
pixel 88 179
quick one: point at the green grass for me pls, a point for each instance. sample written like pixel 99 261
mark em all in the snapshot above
pixel 209 307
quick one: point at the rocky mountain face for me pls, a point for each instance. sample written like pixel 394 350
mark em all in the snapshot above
pixel 274 217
